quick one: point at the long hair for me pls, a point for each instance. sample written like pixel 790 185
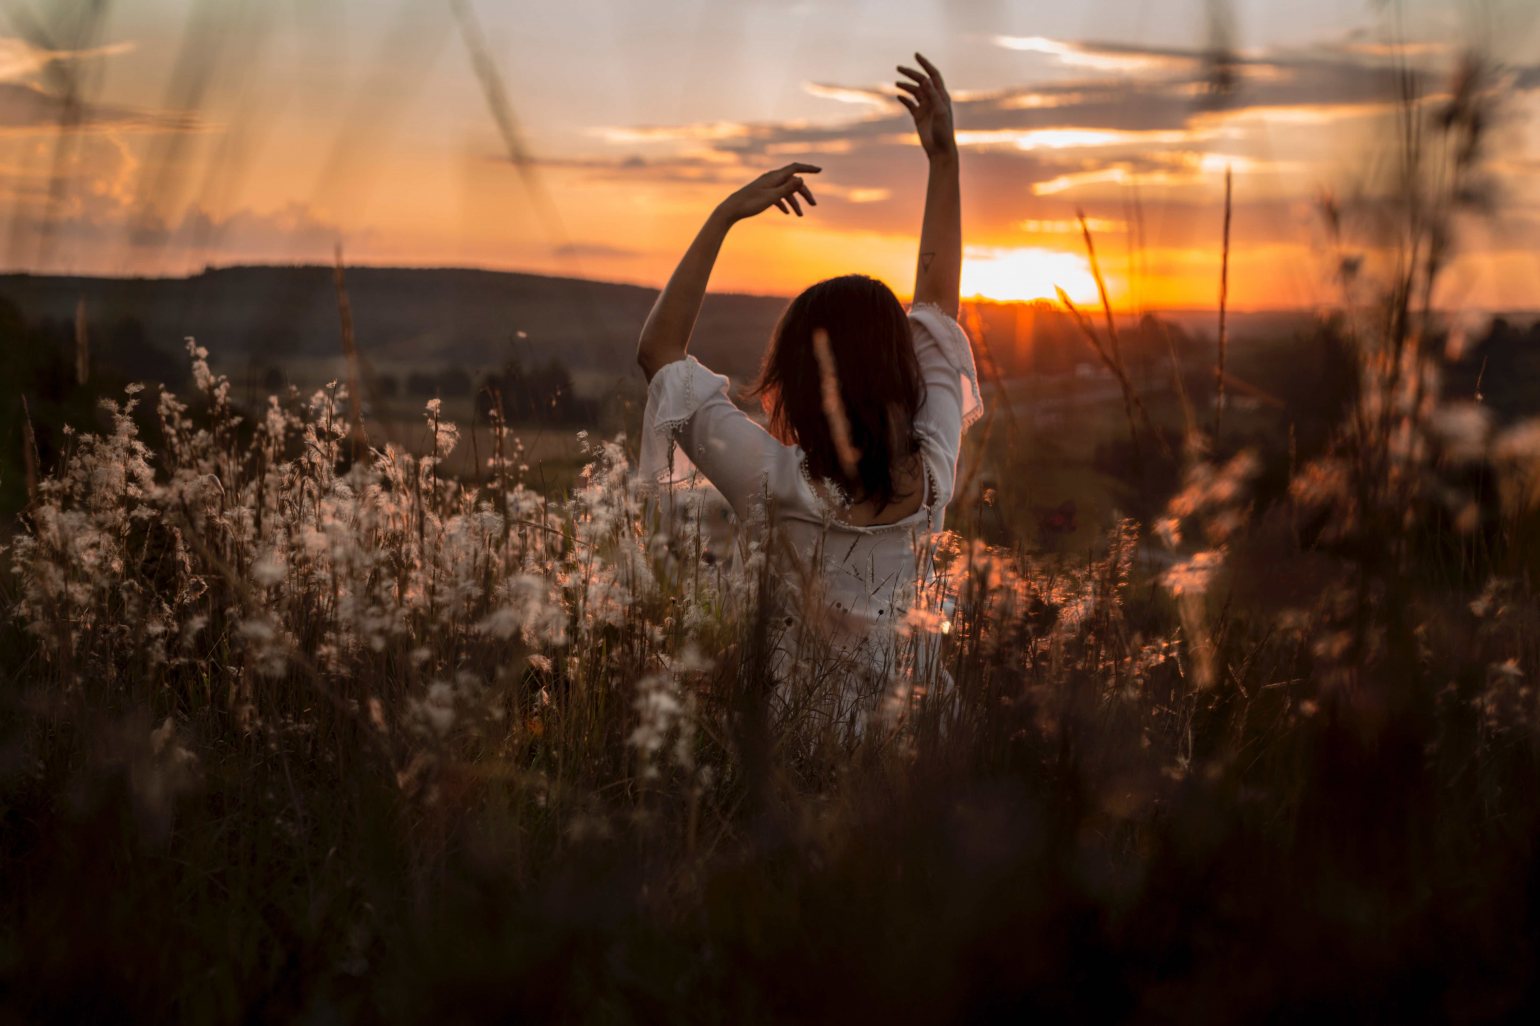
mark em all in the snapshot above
pixel 841 380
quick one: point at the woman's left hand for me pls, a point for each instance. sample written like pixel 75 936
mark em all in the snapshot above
pixel 776 188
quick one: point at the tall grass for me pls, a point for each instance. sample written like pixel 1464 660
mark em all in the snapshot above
pixel 292 734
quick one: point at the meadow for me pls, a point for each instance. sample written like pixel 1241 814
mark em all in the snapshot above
pixel 295 727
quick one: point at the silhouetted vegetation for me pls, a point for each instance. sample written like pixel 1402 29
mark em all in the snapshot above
pixel 541 395
pixel 54 375
pixel 298 730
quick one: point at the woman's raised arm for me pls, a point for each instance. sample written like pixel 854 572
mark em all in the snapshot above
pixel 666 335
pixel 938 275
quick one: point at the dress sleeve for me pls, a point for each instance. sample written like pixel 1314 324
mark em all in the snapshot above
pixel 690 423
pixel 952 400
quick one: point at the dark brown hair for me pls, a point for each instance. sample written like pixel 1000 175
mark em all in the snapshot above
pixel 880 388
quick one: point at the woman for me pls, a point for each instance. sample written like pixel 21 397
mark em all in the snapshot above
pixel 866 409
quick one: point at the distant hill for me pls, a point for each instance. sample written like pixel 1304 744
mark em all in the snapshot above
pixel 413 318
pixel 402 317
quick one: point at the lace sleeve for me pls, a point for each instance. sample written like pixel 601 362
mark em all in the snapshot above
pixel 952 402
pixel 952 343
pixel 690 424
pixel 676 392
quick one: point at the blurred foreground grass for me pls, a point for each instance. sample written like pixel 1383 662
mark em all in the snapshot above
pixel 291 736
pixel 294 728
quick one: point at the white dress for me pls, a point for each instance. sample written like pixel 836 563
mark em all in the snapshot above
pixel 856 583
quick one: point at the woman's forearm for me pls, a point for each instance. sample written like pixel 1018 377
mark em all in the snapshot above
pixel 938 277
pixel 666 335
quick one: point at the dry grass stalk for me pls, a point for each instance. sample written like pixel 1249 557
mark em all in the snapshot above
pixel 1224 305
pixel 29 451
pixel 358 437
pixel 988 364
pixel 1111 358
pixel 1114 358
pixel 990 367
pixel 1131 402
pixel 1101 287
pixel 476 741
pixel 834 407
pixel 82 344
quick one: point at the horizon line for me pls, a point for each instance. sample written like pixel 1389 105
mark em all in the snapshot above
pixel 483 269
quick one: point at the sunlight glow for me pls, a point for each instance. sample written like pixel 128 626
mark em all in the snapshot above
pixel 1022 275
pixel 1097 58
pixel 1075 138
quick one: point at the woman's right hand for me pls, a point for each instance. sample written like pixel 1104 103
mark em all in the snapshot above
pixel 931 108
pixel 776 188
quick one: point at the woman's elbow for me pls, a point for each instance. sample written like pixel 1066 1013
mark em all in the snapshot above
pixel 653 358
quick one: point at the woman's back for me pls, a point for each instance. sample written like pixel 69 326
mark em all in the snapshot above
pixel 851 567
pixel 908 476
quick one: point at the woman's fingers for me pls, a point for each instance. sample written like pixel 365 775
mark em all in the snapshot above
pixel 910 88
pixel 790 190
pixel 780 175
pixel 912 107
pixel 922 83
pixel 931 70
pixel 781 187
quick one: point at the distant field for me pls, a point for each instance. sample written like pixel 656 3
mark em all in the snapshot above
pixel 553 456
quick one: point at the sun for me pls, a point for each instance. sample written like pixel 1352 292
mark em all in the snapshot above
pixel 1008 275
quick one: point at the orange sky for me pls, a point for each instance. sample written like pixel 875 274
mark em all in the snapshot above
pixel 253 133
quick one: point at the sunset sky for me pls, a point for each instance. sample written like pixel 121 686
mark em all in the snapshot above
pixel 225 131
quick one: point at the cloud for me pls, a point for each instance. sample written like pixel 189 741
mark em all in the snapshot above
pixel 594 251
pixel 1358 46
pixel 1070 226
pixel 1099 56
pixel 879 98
pixel 100 223
pixel 1177 108
pixel 1277 115
pixel 1078 138
pixel 19 59
pixel 1039 99
pixel 835 193
pixel 27 110
pixel 1173 169
pixel 1147 125
pixel 716 167
pixel 707 132
pixel 294 228
pixel 34 82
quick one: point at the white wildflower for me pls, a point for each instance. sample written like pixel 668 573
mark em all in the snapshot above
pixel 662 711
pixel 1521 442
pixel 437 710
pixel 1462 430
pixel 1194 575
pixel 268 570
pixel 1508 669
